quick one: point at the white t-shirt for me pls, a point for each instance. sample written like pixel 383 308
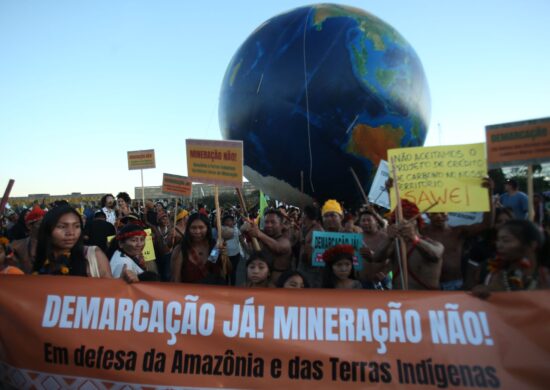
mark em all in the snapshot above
pixel 110 215
pixel 119 260
pixel 233 245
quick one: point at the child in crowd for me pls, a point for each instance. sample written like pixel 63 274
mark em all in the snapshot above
pixel 258 272
pixel 338 271
pixel 292 279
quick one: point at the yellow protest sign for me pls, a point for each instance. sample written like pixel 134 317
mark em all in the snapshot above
pixel 149 249
pixel 215 162
pixel 449 175
pixel 141 159
pixel 176 185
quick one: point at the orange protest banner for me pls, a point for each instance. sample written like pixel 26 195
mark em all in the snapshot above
pixel 141 159
pixel 518 143
pixel 215 162
pixel 70 331
pixel 176 185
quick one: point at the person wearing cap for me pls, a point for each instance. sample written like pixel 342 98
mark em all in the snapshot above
pixel 424 255
pixel 515 200
pixel 332 214
pixel 179 229
pixel 24 250
pixel 275 246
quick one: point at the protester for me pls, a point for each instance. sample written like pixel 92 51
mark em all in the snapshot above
pixel 232 235
pixel 189 260
pixel 19 229
pixel 98 230
pixel 424 255
pixel 179 229
pixel 258 271
pixel 338 271
pixel 517 265
pixel 276 247
pixel 373 275
pixel 24 250
pixel 515 200
pixel 484 249
pixel 5 268
pixel 124 203
pixel 162 243
pixel 127 254
pixel 311 223
pixel 453 239
pixel 60 248
pixel 332 214
pixel 108 208
pixel 292 279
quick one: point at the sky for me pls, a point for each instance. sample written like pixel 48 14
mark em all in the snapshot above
pixel 83 82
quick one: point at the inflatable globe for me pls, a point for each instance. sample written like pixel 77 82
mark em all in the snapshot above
pixel 316 91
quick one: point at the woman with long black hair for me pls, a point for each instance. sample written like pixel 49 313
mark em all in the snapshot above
pixel 189 260
pixel 60 248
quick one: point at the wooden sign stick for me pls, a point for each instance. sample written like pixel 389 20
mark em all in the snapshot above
pixel 402 253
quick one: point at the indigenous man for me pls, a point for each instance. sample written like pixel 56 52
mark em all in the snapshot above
pixel 24 250
pixel 275 245
pixel 311 222
pixel 424 255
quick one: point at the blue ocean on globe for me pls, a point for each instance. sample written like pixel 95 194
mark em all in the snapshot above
pixel 316 91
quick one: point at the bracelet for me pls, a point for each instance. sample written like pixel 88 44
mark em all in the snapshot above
pixel 416 240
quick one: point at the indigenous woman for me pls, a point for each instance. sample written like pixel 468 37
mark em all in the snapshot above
pixel 60 249
pixel 127 253
pixel 338 271
pixel 190 259
pixel 516 265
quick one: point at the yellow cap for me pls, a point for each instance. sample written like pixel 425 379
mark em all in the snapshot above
pixel 332 206
pixel 182 214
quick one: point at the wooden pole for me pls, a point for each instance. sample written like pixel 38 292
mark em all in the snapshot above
pixel 219 228
pixel 358 183
pixel 302 181
pixel 402 253
pixel 530 193
pixel 142 192
pixel 255 243
pixel 6 195
pixel 175 216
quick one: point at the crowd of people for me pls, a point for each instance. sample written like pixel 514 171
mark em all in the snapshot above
pixel 504 252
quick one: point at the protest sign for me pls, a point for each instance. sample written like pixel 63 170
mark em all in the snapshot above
pixel 518 143
pixel 176 185
pixel 321 241
pixel 461 219
pixel 141 159
pixel 215 162
pixel 378 194
pixel 449 175
pixel 71 332
pixel 148 250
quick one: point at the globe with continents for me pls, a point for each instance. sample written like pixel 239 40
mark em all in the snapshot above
pixel 316 91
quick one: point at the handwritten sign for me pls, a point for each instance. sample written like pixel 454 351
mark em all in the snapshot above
pixel 148 250
pixel 176 185
pixel 450 175
pixel 141 159
pixel 321 241
pixel 378 194
pixel 518 143
pixel 215 162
